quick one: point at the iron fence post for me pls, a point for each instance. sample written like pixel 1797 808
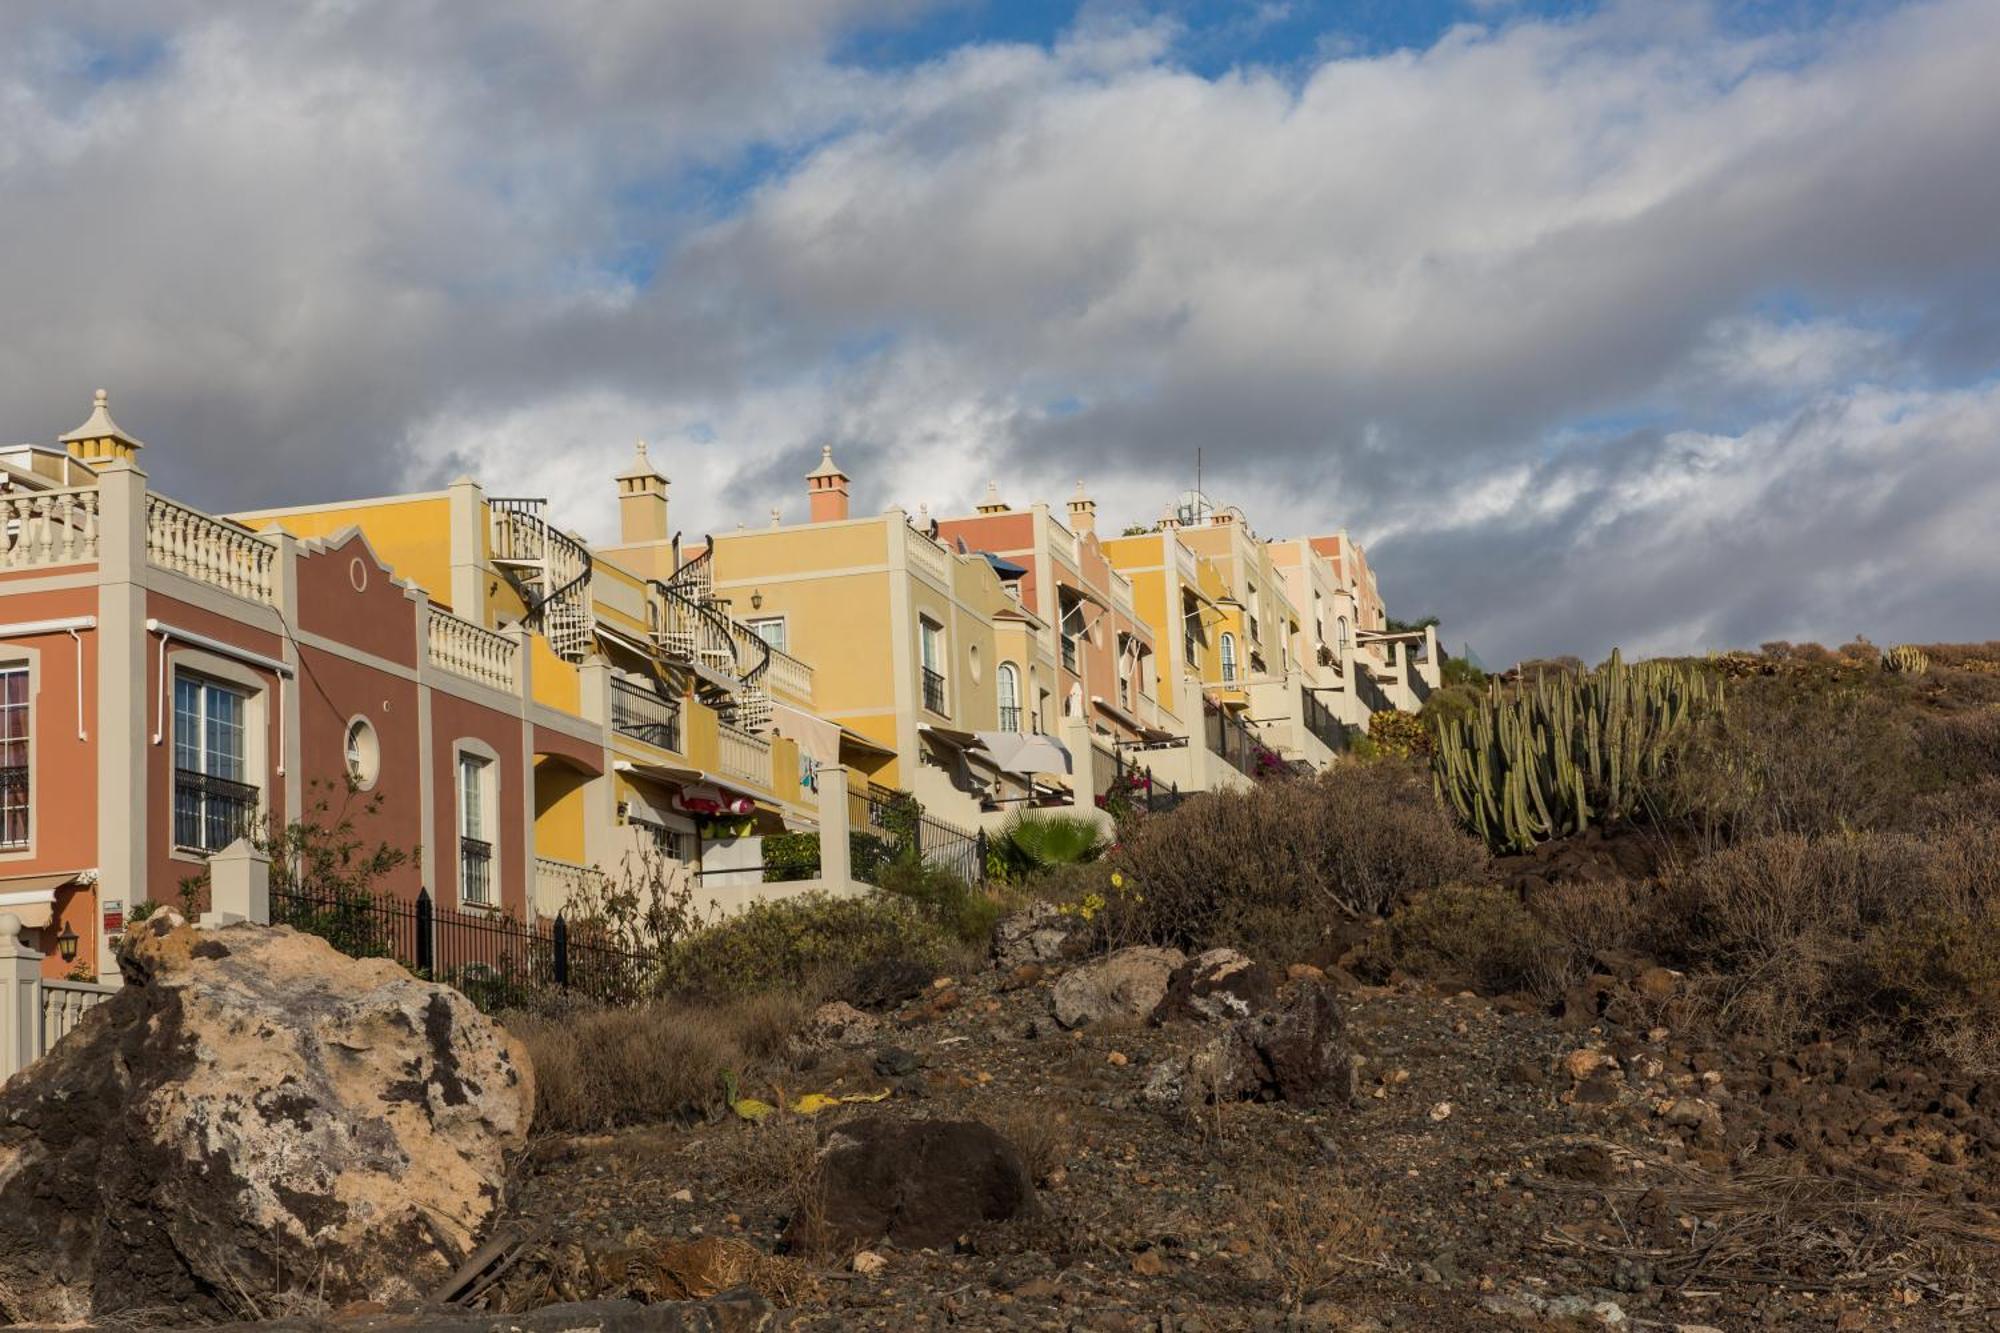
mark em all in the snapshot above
pixel 561 941
pixel 425 961
pixel 979 851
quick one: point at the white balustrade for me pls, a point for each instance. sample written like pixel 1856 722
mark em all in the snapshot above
pixel 559 885
pixel 791 677
pixel 928 556
pixel 208 550
pixel 48 528
pixel 745 755
pixel 64 1003
pixel 472 651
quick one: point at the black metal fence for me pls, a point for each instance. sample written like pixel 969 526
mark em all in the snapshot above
pixel 497 961
pixel 1321 722
pixel 1231 738
pixel 896 826
pixel 210 812
pixel 1135 786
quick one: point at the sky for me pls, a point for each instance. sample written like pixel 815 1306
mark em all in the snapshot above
pixel 1652 323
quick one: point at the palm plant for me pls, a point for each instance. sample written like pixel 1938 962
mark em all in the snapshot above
pixel 1029 844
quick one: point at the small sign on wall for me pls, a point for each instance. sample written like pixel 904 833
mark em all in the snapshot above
pixel 114 915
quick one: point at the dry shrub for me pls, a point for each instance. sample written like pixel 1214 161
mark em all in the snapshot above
pixel 775 1160
pixel 804 943
pixel 1961 747
pixel 1790 937
pixel 665 1060
pixel 1476 933
pixel 1591 918
pixel 1277 866
pixel 1976 802
pixel 1045 1137
pixel 1314 1228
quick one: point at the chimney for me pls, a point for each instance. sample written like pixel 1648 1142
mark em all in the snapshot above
pixel 642 502
pixel 992 504
pixel 98 440
pixel 826 489
pixel 1082 512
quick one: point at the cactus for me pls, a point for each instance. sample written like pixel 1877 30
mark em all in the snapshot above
pixel 1906 659
pixel 1549 758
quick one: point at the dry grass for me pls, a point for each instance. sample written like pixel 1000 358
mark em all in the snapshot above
pixel 665 1060
pixel 1315 1229
pixel 1047 1138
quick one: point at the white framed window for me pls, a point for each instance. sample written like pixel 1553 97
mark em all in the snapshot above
pixel 214 803
pixel 1007 684
pixel 15 763
pixel 364 754
pixel 930 644
pixel 1228 658
pixel 771 629
pixel 476 872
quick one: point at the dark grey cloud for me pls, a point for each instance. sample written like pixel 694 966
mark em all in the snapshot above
pixel 1640 328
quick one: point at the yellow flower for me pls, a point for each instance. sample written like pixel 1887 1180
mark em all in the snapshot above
pixel 1117 879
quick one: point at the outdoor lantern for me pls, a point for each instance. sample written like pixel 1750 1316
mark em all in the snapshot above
pixel 66 944
pixel 757 600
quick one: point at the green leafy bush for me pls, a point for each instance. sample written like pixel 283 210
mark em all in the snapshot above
pixel 799 943
pixel 1398 734
pixel 1031 844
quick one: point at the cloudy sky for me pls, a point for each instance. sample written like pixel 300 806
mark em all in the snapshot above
pixel 1674 325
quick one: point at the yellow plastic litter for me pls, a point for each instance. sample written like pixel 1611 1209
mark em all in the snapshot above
pixel 749 1108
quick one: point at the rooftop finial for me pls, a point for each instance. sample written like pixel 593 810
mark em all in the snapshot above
pixel 642 451
pixel 99 438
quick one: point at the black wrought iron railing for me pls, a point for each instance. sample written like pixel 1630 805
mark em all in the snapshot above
pixel 1231 738
pixel 934 690
pixel 895 826
pixel 14 806
pixel 1068 653
pixel 211 812
pixel 645 716
pixel 498 962
pixel 1320 721
pixel 1010 717
pixel 475 871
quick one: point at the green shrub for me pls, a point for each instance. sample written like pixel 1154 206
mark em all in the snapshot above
pixel 1031 844
pixel 799 943
pixel 790 857
pixel 1279 867
pixel 1478 933
pixel 1398 734
pixel 968 913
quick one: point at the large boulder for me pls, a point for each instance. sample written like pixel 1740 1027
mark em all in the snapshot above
pixel 919 1184
pixel 1128 984
pixel 1295 1052
pixel 254 1113
pixel 1219 985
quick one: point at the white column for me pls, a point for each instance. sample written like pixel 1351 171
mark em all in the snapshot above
pixel 20 999
pixel 468 550
pixel 239 886
pixel 123 689
pixel 600 794
pixel 836 866
pixel 1082 765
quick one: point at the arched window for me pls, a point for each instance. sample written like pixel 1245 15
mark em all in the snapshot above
pixel 1228 658
pixel 1341 629
pixel 1007 683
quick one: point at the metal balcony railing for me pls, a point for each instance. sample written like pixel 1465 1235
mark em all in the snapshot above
pixel 475 871
pixel 211 812
pixel 644 715
pixel 934 691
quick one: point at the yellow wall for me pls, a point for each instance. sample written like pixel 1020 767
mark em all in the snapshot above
pixel 559 810
pixel 412 536
pixel 558 685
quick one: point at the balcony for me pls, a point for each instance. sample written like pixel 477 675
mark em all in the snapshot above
pixel 209 550
pixel 1069 652
pixel 745 755
pixel 210 812
pixel 48 528
pixel 645 716
pixel 934 698
pixel 1230 738
pixel 472 651
pixel 563 885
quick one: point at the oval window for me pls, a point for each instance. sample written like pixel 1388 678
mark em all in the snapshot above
pixel 364 754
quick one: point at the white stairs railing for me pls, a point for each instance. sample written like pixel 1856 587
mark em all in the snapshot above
pixel 552 571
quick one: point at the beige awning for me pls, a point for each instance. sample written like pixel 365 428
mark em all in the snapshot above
pixel 815 736
pixel 32 898
pixel 687 777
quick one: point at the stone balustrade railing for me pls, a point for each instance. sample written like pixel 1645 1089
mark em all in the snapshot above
pixel 473 651
pixel 208 550
pixel 745 756
pixel 64 1003
pixel 562 886
pixel 790 677
pixel 48 528
pixel 928 556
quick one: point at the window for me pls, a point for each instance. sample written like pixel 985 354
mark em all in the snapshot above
pixel 213 805
pixel 1340 629
pixel 364 754
pixel 14 756
pixel 672 843
pixel 1072 628
pixel 475 847
pixel 930 637
pixel 771 629
pixel 1228 658
pixel 1041 709
pixel 1007 683
pixel 1191 634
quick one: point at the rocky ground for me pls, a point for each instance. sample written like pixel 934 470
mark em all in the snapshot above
pixel 1485 1165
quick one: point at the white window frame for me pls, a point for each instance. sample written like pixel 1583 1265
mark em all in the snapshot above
pixel 1228 658
pixel 25 662
pixel 758 624
pixel 489 823
pixel 1007 694
pixel 207 672
pixel 932 653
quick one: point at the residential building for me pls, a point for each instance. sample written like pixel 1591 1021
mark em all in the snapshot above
pixel 170 678
pixel 932 657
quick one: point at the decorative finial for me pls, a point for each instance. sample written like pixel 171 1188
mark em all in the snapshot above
pixel 102 398
pixel 826 453
pixel 992 490
pixel 1079 488
pixel 777 517
pixel 642 451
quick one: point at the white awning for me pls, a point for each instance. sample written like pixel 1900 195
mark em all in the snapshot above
pixel 1026 755
pixel 32 898
pixel 815 736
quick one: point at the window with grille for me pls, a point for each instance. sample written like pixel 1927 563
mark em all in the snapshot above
pixel 14 723
pixel 214 803
pixel 1007 682
pixel 1228 659
pixel 475 846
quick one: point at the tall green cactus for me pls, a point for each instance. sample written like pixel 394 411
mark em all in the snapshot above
pixel 1548 758
pixel 1906 659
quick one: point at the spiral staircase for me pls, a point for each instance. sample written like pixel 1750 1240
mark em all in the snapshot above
pixel 696 629
pixel 550 570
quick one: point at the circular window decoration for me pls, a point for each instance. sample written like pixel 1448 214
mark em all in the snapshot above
pixel 357 574
pixel 364 753
pixel 972 661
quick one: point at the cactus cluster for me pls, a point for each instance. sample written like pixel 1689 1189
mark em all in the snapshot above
pixel 1552 756
pixel 1906 659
